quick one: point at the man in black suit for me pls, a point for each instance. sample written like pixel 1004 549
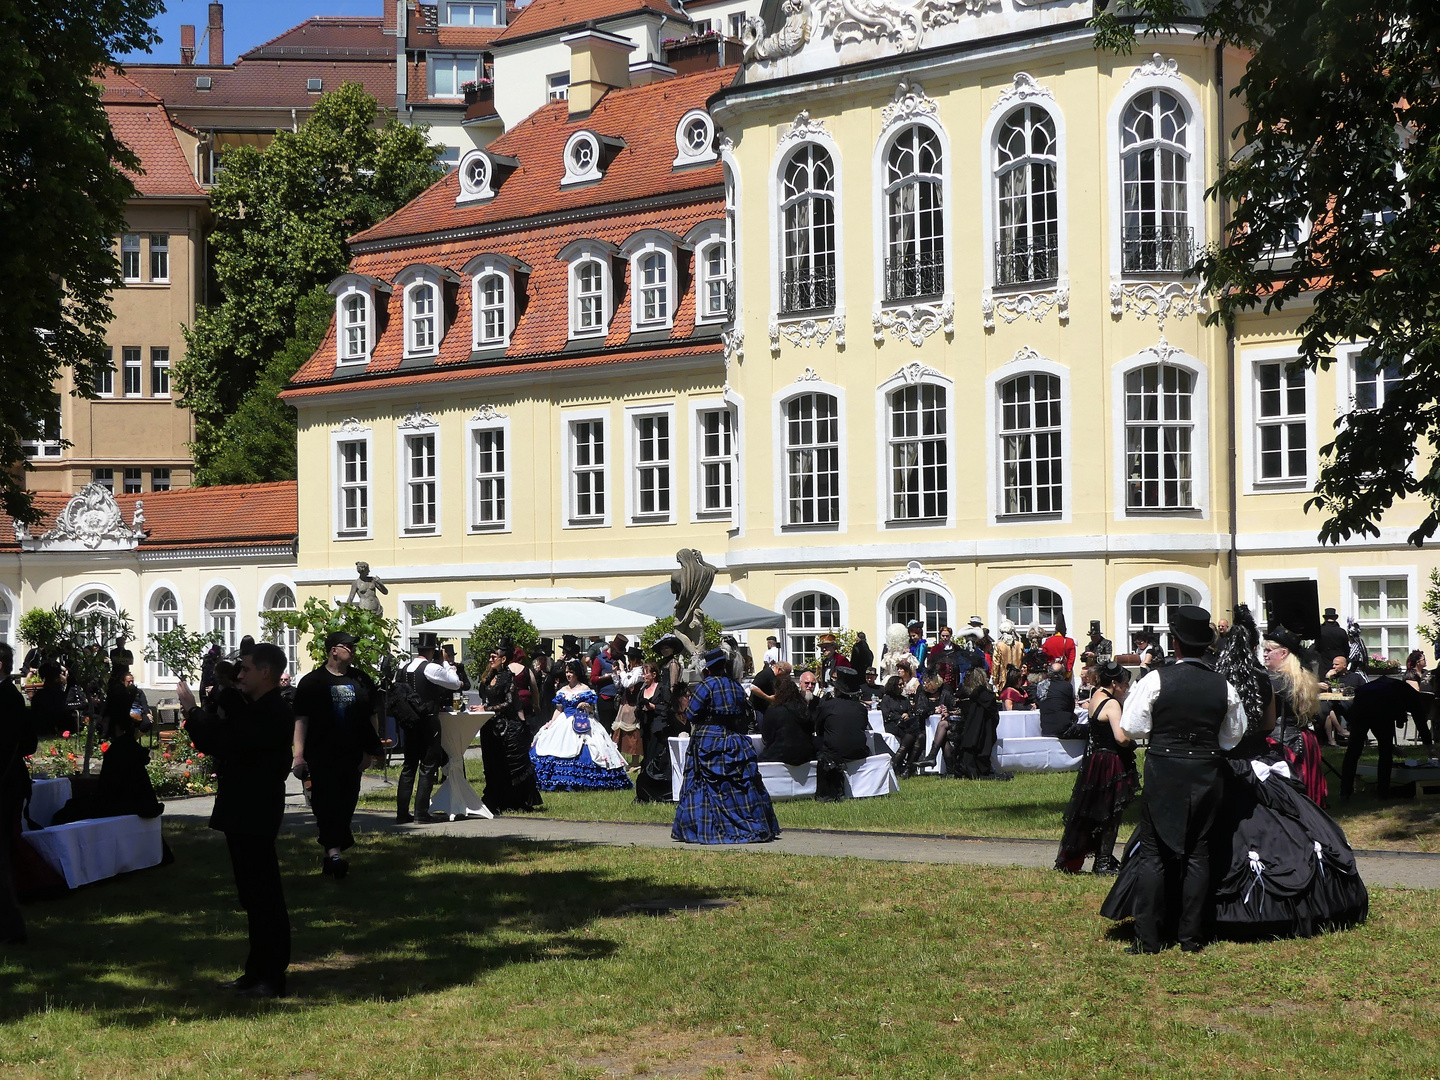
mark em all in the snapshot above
pixel 1378 708
pixel 249 733
pixel 1190 715
pixel 842 733
pixel 1332 640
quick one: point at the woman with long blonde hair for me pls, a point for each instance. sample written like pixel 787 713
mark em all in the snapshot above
pixel 1297 706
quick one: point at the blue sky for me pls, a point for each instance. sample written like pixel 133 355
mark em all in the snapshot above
pixel 247 23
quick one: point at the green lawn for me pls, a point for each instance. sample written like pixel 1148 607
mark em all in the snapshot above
pixel 1031 805
pixel 467 957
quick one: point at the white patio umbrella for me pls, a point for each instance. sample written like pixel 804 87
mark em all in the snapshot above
pixel 552 618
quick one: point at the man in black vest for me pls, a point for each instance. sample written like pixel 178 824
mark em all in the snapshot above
pixel 434 683
pixel 1190 714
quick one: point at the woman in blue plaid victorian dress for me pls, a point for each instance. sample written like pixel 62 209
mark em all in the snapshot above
pixel 723 800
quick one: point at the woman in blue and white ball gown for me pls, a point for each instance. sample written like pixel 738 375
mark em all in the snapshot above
pixel 573 752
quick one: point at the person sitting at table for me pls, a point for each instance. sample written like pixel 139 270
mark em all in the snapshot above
pixel 1342 678
pixel 574 752
pixel 1057 701
pixel 787 733
pixel 974 731
pixel 898 714
pixel 871 689
pixel 1016 694
pixel 842 733
pixel 935 699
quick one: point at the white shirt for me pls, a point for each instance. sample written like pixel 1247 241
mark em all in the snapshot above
pixel 1136 719
pixel 440 674
pixel 772 655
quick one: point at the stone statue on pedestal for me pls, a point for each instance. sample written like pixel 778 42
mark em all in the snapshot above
pixel 364 589
pixel 691 585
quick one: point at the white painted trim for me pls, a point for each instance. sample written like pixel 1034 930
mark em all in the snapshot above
pixel 704 240
pixel 1254 579
pixel 696 407
pixel 1350 608
pixel 262 598
pixel 633 413
pixel 503 269
pixel 1199 438
pixel 1249 425
pixel 1129 588
pixel 92 586
pixel 731 170
pixel 207 590
pixel 1197 208
pixel 354 288
pixel 893 589
pixel 667 253
pixel 880 220
pixel 148 627
pixel 582 253
pixel 574 174
pixel 809 585
pixel 501 423
pixel 778 401
pixel 402 487
pixel 413 280
pixel 684 155
pixel 883 472
pixel 567 449
pixel 405 600
pixel 1024 362
pixel 994 609
pixel 336 438
pixel 821 138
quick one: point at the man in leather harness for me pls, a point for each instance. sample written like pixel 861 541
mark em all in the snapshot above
pixel 1190 715
pixel 434 683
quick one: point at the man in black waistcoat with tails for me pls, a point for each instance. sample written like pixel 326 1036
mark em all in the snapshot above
pixel 1190 715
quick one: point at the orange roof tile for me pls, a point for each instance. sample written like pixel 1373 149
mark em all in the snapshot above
pixel 333 36
pixel 147 130
pixel 551 16
pixel 261 83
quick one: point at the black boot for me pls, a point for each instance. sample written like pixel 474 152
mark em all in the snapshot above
pixel 403 788
pixel 422 795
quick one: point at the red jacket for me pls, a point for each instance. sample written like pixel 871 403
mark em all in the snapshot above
pixel 1061 648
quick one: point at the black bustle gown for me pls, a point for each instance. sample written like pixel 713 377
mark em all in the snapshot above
pixel 505 749
pixel 1105 785
pixel 658 725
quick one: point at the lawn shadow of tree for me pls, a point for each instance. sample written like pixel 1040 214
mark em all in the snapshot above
pixel 417 914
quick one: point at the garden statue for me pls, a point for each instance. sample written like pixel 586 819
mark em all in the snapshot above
pixel 364 588
pixel 691 585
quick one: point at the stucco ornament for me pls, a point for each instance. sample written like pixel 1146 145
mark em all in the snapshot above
pixel 1162 351
pixel 90 521
pixel 915 323
pixel 1171 300
pixel 418 420
pixel 789 39
pixel 803 333
pixel 804 128
pixel 488 412
pixel 1014 306
pixel 1022 88
pixel 915 574
pixel 1157 67
pixel 902 22
pixel 910 101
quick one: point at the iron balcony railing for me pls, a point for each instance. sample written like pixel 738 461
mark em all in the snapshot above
pixel 914 275
pixel 1018 262
pixel 1165 249
pixel 807 290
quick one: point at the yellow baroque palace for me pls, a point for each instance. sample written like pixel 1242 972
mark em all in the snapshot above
pixel 890 321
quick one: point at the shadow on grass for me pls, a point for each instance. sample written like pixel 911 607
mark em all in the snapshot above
pixel 416 914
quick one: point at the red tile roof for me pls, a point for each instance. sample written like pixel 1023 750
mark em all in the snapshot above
pixel 467 37
pixel 644 116
pixel 194 517
pixel 264 83
pixel 550 16
pixel 147 130
pixel 338 36
pixel 116 88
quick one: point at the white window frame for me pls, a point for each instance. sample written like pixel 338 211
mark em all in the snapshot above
pixel 502 311
pixel 289 636
pixel 105 388
pixel 351 303
pixel 685 153
pixel 501 426
pixel 412 345
pixel 337 487
pixel 126 479
pixel 557 86
pixel 1197 587
pixel 370 293
pixel 1025 362
pixel 787 597
pixel 404 507
pixel 410 605
pixel 777 229
pixel 1003 590
pixel 577 254
pixel 643 246
pixel 453 60
pixel 699 407
pixel 881 211
pixel 634 416
pixel 162 249
pixel 883 476
pixel 568 517
pixel 1027 161
pixel 705 278
pixel 496 6
pixel 47 448
pixel 156 475
pixel 1250 423
pixel 1161 624
pixel 778 412
pixel 215 615
pixel 1348 356
pixel 130 251
pixel 159 622
pixel 132 365
pixel 1350 577
pixel 157 366
pixel 1197 208
pixel 1199 433
pixel 583 153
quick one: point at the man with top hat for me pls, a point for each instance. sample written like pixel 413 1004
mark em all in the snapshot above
pixel 831 661
pixel 605 681
pixel 432 682
pixel 1332 640
pixel 1099 644
pixel 842 733
pixel 722 800
pixel 337 731
pixel 1191 715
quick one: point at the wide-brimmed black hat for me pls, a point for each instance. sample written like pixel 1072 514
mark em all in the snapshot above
pixel 1286 639
pixel 668 641
pixel 1190 624
pixel 715 658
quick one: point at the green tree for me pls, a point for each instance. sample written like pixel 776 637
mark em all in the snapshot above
pixel 62 204
pixel 317 619
pixel 1341 128
pixel 281 218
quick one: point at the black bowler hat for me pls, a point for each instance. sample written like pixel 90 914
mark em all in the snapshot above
pixel 1191 625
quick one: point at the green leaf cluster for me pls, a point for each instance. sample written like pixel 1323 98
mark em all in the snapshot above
pixel 506 623
pixel 57 631
pixel 281 217
pixel 62 205
pixel 180 651
pixel 316 620
pixel 660 627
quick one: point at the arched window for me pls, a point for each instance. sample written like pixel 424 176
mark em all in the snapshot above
pixel 220 615
pixel 1150 610
pixel 282 598
pixel 807 209
pixel 929 607
pixel 1027 210
pixel 1154 170
pixel 98 618
pixel 812 460
pixel 652 280
pixel 717 297
pixel 357 324
pixel 587 297
pixel 1159 428
pixel 914 225
pixel 5 618
pixel 919 460
pixel 1030 444
pixel 421 318
pixel 1033 605
pixel 809 615
pixel 164 615
pixel 491 325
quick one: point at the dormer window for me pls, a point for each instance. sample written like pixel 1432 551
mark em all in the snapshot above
pixel 493 293
pixel 654 286
pixel 355 325
pixel 591 286
pixel 481 174
pixel 429 306
pixel 587 155
pixel 421 318
pixel 356 312
pixel 652 276
pixel 695 139
pixel 714 291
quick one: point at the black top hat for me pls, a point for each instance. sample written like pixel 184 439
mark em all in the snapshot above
pixel 1331 613
pixel 848 681
pixel 1286 639
pixel 1190 625
pixel 1094 626
pixel 426 639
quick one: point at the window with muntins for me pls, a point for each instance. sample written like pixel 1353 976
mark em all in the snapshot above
pixel 812 460
pixel 468 14
pixel 105 477
pixel 1027 198
pixel 221 616
pixel 164 615
pixel 914 220
pixel 449 73
pixel 420 482
pixel 1031 461
pixel 1382 607
pixel 587 471
pixel 652 466
pixel 1150 609
pixel 1280 422
pixel 654 283
pixel 160 372
pixel 809 616
pixel 489 478
pixel 354 465
pixel 98 618
pixel 490 296
pixel 1154 167
pixel 133 481
pixel 48 444
pixel 919 459
pixel 716 291
pixel 105 377
pixel 928 607
pixel 282 598
pixel 589 297
pixel 130 366
pixel 357 326
pixel 717 461
pixel 1159 469
pixel 1033 606
pixel 422 318
pixel 159 256
pixel 1371 382
pixel 130 257
pixel 159 479
pixel 559 86
pixel 807 210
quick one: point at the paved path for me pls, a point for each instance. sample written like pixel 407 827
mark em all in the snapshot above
pixel 1415 870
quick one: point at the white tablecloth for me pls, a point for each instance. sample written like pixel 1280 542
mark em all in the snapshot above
pixel 864 779
pixel 456 798
pixel 47 797
pixel 98 848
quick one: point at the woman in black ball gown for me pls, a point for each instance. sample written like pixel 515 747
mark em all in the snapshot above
pixel 1107 782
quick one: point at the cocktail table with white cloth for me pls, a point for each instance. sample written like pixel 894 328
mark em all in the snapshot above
pixel 456 798
pixel 864 779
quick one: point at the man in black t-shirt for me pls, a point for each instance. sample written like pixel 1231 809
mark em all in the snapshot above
pixel 336 733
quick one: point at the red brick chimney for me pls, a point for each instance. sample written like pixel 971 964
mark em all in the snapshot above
pixel 187 44
pixel 388 22
pixel 216 33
